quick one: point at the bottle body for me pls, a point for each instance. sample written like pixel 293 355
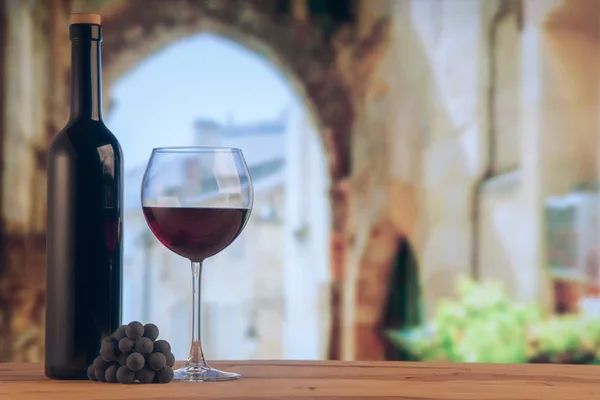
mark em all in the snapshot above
pixel 84 247
pixel 84 226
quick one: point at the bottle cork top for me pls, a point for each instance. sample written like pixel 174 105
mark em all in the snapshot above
pixel 82 18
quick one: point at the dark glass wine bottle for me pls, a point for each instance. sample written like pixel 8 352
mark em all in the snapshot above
pixel 84 236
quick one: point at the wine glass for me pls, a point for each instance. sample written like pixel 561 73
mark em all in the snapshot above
pixel 196 201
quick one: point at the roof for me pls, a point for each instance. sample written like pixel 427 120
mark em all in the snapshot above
pixel 277 126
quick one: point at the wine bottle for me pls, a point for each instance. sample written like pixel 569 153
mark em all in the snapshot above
pixel 84 225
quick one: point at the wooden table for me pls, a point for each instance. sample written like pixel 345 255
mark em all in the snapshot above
pixel 329 380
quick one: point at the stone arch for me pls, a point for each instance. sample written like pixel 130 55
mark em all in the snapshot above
pixel 135 29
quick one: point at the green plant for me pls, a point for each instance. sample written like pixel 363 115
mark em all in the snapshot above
pixel 481 325
pixel 570 339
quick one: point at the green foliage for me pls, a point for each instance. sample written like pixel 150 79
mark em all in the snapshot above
pixel 483 325
pixel 567 339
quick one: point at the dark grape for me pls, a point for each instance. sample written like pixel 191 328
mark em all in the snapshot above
pixel 134 330
pixel 157 361
pixel 109 341
pixel 165 375
pixel 99 363
pixel 109 353
pixel 125 375
pixel 111 373
pixel 151 331
pixel 170 359
pixel 162 346
pixel 100 374
pixel 91 372
pixel 126 345
pixel 135 362
pixel 123 358
pixel 120 332
pixel 145 375
pixel 143 346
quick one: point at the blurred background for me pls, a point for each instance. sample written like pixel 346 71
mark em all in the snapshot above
pixel 426 172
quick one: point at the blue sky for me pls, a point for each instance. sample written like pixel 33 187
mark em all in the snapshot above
pixel 156 103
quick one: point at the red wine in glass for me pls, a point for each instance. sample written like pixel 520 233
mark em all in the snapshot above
pixel 196 233
pixel 197 201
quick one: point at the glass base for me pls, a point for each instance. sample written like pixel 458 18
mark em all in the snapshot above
pixel 202 373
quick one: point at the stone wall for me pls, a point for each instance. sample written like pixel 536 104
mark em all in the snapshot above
pixel 556 87
pixel 469 114
pixel 415 156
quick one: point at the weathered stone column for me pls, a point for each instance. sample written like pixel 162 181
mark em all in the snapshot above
pixel 30 115
pixel 370 238
pixel 5 348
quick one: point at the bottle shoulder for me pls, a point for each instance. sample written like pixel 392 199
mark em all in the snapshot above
pixel 79 137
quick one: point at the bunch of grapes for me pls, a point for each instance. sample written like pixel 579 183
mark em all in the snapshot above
pixel 132 354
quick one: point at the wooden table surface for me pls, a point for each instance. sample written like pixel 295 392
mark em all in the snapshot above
pixel 330 380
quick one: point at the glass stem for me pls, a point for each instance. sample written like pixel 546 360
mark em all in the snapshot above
pixel 196 357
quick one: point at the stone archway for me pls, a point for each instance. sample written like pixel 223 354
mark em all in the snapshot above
pixel 136 28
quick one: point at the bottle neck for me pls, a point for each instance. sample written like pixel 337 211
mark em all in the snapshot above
pixel 86 80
